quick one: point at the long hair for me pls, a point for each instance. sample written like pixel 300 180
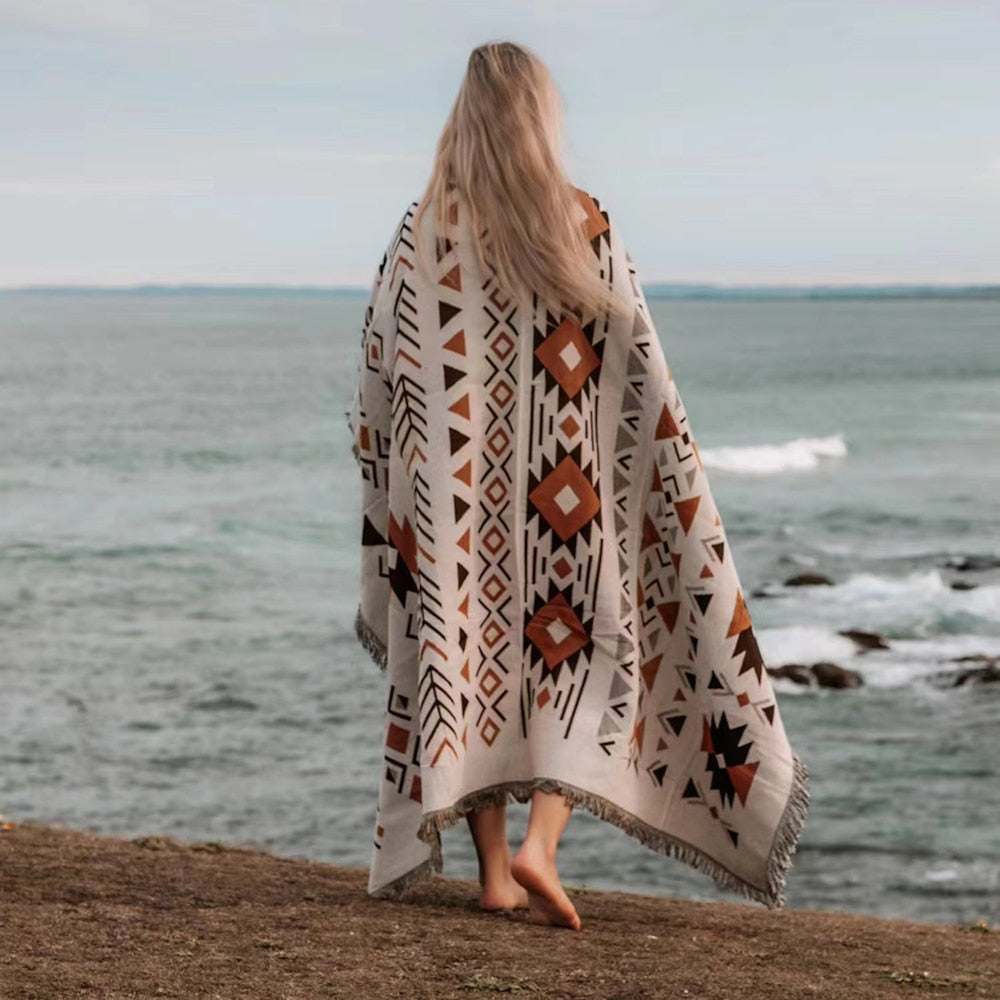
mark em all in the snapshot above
pixel 500 155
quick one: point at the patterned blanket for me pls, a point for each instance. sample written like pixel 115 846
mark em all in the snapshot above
pixel 546 579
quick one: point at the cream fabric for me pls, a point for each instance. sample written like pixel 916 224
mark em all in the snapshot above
pixel 547 581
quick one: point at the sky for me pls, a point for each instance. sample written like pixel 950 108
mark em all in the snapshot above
pixel 733 141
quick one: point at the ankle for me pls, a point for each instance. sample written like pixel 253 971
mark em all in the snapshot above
pixel 496 864
pixel 536 849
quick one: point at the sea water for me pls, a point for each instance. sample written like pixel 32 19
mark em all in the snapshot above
pixel 179 528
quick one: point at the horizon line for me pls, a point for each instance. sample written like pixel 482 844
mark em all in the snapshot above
pixel 355 287
pixel 653 289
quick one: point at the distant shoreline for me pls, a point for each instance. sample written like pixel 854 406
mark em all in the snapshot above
pixel 657 291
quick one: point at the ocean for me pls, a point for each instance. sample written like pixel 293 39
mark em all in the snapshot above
pixel 179 522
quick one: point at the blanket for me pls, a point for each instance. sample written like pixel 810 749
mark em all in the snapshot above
pixel 545 577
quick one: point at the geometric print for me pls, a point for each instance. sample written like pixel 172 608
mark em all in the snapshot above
pixel 545 576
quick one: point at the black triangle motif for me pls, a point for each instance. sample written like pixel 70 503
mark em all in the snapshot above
pixel 370 535
pixel 457 438
pixel 446 312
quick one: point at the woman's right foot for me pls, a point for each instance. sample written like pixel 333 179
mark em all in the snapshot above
pixel 547 900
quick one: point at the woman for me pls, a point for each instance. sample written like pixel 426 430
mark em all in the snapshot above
pixel 544 574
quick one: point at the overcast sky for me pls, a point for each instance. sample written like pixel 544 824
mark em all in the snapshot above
pixel 734 141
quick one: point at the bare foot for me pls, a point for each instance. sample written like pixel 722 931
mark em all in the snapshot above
pixel 547 900
pixel 503 895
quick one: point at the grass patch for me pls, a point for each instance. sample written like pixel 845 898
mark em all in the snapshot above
pixel 922 980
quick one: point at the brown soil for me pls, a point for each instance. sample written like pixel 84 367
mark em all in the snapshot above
pixel 86 915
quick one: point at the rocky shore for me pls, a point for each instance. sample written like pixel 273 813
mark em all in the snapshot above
pixel 85 915
pixel 976 668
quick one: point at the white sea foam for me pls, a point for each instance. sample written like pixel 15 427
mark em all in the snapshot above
pixel 940 625
pixel 906 660
pixel 803 644
pixel 767 459
pixel 922 596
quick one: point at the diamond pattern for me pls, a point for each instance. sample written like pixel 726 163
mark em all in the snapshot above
pixel 566 499
pixel 567 354
pixel 557 631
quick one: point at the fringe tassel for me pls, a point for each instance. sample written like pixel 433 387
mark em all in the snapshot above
pixel 371 642
pixel 432 866
pixel 787 835
pixel 779 861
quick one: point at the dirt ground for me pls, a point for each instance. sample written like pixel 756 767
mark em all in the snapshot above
pixel 89 916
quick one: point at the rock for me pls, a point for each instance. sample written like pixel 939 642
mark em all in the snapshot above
pixel 866 640
pixel 979 675
pixel 799 673
pixel 963 585
pixel 822 674
pixel 832 675
pixel 809 580
pixel 986 671
pixel 973 562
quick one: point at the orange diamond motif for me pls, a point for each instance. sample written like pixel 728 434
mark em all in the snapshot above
pixel 502 345
pixel 569 426
pixel 397 738
pixel 556 631
pixel 496 491
pixel 489 732
pixel 501 394
pixel 493 540
pixel 492 634
pixel 490 682
pixel 566 499
pixel 494 588
pixel 567 354
pixel 498 441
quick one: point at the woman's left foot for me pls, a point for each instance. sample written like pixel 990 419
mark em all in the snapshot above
pixel 503 895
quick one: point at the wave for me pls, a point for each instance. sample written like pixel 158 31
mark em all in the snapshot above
pixel 907 659
pixel 767 459
pixel 917 597
pixel 803 644
pixel 921 605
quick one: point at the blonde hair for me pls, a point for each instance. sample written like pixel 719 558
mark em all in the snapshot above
pixel 499 156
